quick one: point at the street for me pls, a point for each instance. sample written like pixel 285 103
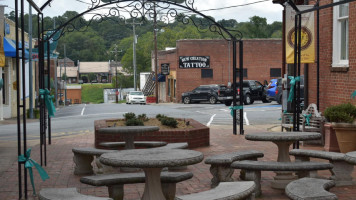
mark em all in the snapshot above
pixel 76 119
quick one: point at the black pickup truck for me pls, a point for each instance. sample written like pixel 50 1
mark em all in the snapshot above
pixel 212 93
pixel 252 90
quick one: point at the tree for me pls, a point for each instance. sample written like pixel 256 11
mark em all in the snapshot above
pixel 64 76
pixel 91 77
pixel 123 81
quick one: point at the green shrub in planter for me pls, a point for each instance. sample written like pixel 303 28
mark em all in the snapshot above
pixel 168 121
pixel 142 117
pixel 36 113
pixel 345 112
pixel 134 122
pixel 129 116
pixel 160 117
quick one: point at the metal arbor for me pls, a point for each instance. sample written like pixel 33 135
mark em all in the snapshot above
pixel 137 9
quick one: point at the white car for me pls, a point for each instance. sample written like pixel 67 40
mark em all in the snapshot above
pixel 135 97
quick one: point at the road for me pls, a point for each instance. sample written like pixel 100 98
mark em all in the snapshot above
pixel 78 119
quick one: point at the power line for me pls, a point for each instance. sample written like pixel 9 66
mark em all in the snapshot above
pixel 222 8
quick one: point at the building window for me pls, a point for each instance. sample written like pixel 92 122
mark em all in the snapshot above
pixel 3 89
pixel 341 35
pixel 207 73
pixel 275 72
pixel 238 73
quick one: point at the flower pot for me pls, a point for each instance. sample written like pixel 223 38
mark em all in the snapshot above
pixel 346 136
pixel 330 139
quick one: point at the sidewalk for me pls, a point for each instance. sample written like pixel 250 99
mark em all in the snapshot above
pixel 60 167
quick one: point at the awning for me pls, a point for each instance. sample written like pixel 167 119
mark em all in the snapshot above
pixel 10 48
pixel 161 78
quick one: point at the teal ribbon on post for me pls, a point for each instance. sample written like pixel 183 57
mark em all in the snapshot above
pixel 293 81
pixel 353 95
pixel 307 118
pixel 29 163
pixel 45 93
pixel 232 108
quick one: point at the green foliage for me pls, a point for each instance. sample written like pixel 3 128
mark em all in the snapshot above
pixel 160 117
pixel 169 121
pixel 94 93
pixel 142 117
pixel 36 113
pixel 345 112
pixel 64 76
pixel 134 122
pixel 129 116
pixel 91 77
pixel 123 81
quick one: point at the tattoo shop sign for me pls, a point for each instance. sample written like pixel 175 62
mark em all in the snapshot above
pixel 191 62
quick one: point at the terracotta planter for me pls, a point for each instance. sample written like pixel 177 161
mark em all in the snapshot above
pixel 330 139
pixel 346 136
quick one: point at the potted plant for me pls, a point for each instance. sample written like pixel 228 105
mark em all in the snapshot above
pixel 342 118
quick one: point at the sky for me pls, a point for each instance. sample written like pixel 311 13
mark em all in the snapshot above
pixel 240 10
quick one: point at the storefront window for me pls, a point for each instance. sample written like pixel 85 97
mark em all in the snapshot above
pixel 207 73
pixel 175 81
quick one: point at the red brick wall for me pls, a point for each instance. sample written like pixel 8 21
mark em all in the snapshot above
pixel 259 56
pixel 74 94
pixel 335 86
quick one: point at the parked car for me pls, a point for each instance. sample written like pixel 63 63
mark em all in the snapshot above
pixel 271 89
pixel 279 90
pixel 135 97
pixel 252 90
pixel 212 93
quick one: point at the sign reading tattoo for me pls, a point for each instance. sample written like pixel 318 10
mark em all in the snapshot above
pixel 193 62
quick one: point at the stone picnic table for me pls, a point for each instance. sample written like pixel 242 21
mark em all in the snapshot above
pixel 283 140
pixel 152 161
pixel 351 157
pixel 128 133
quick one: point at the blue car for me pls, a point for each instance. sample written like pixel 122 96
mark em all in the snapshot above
pixel 271 90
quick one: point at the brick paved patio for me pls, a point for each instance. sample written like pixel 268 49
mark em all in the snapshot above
pixel 60 167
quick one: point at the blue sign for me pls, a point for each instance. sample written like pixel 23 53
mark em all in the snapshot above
pixel 7 28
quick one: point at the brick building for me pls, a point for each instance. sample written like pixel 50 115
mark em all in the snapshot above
pixel 262 61
pixel 337 56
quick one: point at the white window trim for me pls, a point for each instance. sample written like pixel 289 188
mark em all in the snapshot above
pixel 337 62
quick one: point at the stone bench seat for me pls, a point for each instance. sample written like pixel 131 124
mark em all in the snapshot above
pixel 225 191
pixel 253 169
pixel 65 194
pixel 179 145
pixel 115 182
pixel 310 188
pixel 342 170
pixel 220 164
pixel 84 156
pixel 145 144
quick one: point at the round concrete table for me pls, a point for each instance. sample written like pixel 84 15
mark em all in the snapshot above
pixel 129 133
pixel 152 161
pixel 283 140
pixel 351 157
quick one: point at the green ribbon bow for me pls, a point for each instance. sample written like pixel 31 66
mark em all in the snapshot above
pixel 232 108
pixel 48 101
pixel 293 81
pixel 29 163
pixel 307 118
pixel 353 95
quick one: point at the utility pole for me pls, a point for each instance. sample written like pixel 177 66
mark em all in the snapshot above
pixel 116 79
pixel 134 50
pixel 65 77
pixel 156 60
pixel 1 36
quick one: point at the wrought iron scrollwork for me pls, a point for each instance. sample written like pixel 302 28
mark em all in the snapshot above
pixel 166 12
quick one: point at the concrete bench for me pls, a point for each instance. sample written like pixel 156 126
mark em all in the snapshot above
pixel 253 169
pixel 65 194
pixel 115 182
pixel 310 188
pixel 220 164
pixel 145 144
pixel 342 170
pixel 224 191
pixel 84 156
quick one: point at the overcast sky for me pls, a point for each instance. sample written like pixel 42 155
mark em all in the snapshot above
pixel 238 11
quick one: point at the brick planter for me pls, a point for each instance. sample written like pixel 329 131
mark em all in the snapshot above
pixel 198 136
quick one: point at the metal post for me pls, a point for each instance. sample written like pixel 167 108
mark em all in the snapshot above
pixel 241 87
pixel 30 62
pixel 65 77
pixel 156 54
pixel 234 86
pixel 134 54
pixel 2 20
pixel 317 57
pixel 49 88
pixel 295 69
pixel 18 97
